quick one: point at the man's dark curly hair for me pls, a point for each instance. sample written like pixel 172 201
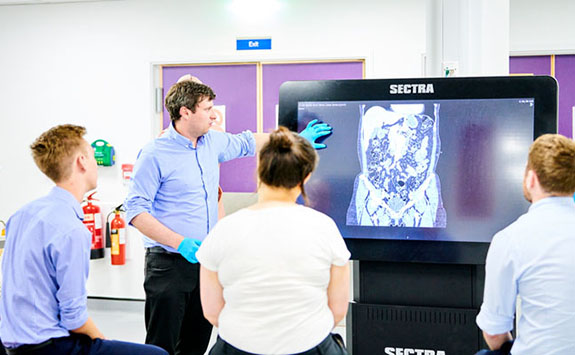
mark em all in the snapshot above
pixel 188 94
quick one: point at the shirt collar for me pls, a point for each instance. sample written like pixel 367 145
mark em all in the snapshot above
pixel 178 138
pixel 68 198
pixel 553 200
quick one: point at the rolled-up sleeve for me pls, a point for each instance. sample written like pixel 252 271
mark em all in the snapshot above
pixel 236 145
pixel 71 258
pixel 498 308
pixel 144 186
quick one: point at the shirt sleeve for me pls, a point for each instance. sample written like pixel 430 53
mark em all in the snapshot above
pixel 498 308
pixel 144 186
pixel 235 145
pixel 339 252
pixel 210 252
pixel 70 256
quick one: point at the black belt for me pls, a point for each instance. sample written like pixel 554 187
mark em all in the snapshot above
pixel 160 250
pixel 28 348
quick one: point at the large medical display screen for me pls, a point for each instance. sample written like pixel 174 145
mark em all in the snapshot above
pixel 440 170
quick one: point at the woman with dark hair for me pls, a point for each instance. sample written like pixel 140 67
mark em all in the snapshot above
pixel 275 276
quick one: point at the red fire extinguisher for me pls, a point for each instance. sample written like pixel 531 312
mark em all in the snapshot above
pixel 118 238
pixel 93 221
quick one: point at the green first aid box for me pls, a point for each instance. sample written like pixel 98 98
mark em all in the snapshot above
pixel 104 153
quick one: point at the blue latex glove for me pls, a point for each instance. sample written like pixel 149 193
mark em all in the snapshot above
pixel 188 248
pixel 315 130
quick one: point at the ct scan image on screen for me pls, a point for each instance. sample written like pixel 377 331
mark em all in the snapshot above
pixel 397 186
pixel 446 170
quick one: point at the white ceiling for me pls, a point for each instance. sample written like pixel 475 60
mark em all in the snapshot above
pixel 37 2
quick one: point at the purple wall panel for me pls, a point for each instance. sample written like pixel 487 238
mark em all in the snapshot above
pixel 274 75
pixel 236 88
pixel 536 65
pixel 565 75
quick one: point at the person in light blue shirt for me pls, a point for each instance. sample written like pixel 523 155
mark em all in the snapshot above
pixel 533 259
pixel 173 202
pixel 46 259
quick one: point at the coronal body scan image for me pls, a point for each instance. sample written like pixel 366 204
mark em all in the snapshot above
pixel 398 147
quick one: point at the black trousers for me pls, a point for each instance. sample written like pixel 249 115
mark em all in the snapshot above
pixel 504 350
pixel 331 345
pixel 174 317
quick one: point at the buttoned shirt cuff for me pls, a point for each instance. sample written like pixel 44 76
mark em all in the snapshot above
pixel 251 143
pixel 494 324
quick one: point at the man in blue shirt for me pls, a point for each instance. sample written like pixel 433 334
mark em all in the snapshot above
pixel 46 259
pixel 533 259
pixel 173 202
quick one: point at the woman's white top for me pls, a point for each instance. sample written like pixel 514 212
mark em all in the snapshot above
pixel 274 265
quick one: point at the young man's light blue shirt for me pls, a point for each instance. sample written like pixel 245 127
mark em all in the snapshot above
pixel 534 258
pixel 44 271
pixel 178 184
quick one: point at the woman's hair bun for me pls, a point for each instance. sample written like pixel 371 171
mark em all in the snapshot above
pixel 281 140
pixel 286 160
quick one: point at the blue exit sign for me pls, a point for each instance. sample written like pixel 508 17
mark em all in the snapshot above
pixel 251 44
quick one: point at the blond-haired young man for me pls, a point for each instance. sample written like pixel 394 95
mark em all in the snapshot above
pixel 46 259
pixel 533 258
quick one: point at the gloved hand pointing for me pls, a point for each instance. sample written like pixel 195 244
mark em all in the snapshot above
pixel 188 248
pixel 315 130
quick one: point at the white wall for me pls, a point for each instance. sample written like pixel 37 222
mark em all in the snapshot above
pixel 542 27
pixel 91 64
pixel 467 37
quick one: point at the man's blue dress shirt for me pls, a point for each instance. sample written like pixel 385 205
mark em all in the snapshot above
pixel 45 268
pixel 534 258
pixel 178 184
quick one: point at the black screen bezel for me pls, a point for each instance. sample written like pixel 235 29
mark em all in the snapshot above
pixel 543 89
